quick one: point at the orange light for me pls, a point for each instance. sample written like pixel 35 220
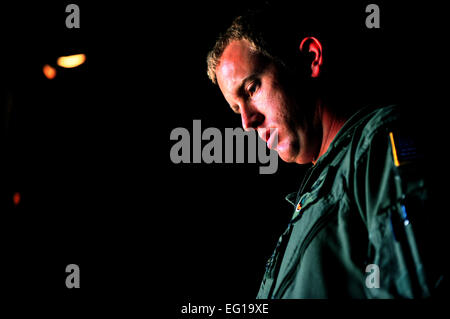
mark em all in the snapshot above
pixel 16 198
pixel 49 72
pixel 71 61
pixel 394 150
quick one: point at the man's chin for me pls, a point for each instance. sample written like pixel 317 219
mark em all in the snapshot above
pixel 285 155
pixel 288 156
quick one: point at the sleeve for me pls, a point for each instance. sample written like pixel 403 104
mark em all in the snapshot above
pixel 387 184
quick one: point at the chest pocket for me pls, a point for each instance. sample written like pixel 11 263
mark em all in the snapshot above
pixel 318 207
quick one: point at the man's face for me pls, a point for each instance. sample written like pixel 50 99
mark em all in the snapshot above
pixel 252 87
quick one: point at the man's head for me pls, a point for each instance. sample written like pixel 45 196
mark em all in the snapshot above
pixel 268 81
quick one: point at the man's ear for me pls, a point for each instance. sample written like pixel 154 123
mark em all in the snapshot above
pixel 313 45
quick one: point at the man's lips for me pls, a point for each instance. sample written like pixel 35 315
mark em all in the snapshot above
pixel 264 134
pixel 268 135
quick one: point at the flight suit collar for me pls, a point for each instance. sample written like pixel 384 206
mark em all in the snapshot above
pixel 344 133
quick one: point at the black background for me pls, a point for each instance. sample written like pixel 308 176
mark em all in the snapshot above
pixel 89 150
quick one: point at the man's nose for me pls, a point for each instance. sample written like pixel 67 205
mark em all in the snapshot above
pixel 251 118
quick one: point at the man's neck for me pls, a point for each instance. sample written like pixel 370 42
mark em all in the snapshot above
pixel 331 124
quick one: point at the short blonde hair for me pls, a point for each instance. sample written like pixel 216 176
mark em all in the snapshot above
pixel 242 28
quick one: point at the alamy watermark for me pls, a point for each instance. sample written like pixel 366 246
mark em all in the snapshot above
pixel 73 18
pixel 73 277
pixel 373 278
pixel 373 19
pixel 223 150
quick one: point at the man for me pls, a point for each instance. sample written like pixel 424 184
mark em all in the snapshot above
pixel 351 233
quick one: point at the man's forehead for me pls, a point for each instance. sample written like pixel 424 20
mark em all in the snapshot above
pixel 238 50
pixel 237 62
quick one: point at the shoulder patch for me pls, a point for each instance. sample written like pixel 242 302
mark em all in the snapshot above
pixel 404 148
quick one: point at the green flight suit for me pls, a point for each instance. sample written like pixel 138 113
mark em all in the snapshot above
pixel 350 234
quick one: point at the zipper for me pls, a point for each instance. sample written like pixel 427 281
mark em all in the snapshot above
pixel 310 173
pixel 306 179
pixel 309 237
